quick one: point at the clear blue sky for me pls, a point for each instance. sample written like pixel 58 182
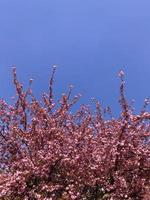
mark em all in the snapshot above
pixel 89 40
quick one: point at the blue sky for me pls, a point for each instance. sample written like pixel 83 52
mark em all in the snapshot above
pixel 89 40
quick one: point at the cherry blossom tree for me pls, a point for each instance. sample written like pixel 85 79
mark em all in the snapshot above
pixel 49 153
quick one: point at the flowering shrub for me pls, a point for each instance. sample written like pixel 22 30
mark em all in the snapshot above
pixel 48 153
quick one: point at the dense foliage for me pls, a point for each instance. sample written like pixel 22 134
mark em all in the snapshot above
pixel 49 153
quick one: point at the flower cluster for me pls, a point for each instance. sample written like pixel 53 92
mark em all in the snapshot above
pixel 49 153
